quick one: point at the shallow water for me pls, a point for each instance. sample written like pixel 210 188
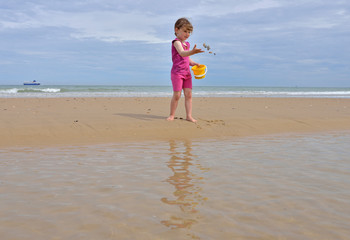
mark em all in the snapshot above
pixel 270 187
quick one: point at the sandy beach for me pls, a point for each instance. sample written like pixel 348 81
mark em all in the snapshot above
pixel 115 168
pixel 76 121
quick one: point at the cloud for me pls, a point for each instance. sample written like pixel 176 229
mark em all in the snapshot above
pixel 111 27
pixel 5 62
pixel 104 25
pixel 317 61
pixel 105 22
pixel 111 23
pixel 227 7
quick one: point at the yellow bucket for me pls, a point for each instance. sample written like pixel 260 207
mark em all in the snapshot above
pixel 199 71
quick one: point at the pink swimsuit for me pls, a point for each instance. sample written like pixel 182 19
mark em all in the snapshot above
pixel 180 72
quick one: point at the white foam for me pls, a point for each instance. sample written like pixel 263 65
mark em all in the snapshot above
pixel 51 90
pixel 10 91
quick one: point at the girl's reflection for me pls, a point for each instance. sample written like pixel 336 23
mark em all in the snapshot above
pixel 187 193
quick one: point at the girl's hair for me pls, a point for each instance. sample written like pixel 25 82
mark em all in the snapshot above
pixel 183 22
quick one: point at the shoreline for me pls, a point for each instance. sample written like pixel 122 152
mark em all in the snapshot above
pixel 84 121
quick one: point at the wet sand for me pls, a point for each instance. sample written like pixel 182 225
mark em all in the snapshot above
pixel 291 187
pixel 76 121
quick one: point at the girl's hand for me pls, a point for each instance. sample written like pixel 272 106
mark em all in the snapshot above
pixel 196 50
pixel 183 53
pixel 193 63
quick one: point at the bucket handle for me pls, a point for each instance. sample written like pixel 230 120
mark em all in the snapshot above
pixel 206 69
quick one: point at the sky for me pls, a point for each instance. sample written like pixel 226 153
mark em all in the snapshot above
pixel 304 43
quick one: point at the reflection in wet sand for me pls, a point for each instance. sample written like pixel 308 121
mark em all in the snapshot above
pixel 187 190
pixel 269 187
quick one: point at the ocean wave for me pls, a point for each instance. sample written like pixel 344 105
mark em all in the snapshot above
pixel 30 90
pixel 9 91
pixel 44 90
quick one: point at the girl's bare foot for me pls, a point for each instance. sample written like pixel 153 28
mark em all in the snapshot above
pixel 191 119
pixel 170 118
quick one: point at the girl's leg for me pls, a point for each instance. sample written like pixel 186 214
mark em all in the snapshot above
pixel 173 105
pixel 188 104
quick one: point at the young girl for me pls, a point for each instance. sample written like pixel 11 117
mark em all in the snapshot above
pixel 180 73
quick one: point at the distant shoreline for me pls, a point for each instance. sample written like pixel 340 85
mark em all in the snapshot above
pixel 59 91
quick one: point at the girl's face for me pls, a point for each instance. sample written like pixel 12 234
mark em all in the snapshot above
pixel 182 34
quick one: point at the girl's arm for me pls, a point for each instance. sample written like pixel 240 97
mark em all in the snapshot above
pixel 183 53
pixel 193 63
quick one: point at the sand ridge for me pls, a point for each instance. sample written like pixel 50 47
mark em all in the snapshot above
pixel 52 121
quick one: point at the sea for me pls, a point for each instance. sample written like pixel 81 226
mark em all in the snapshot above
pixel 53 91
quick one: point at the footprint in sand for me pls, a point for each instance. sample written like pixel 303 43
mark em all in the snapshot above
pixel 214 122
